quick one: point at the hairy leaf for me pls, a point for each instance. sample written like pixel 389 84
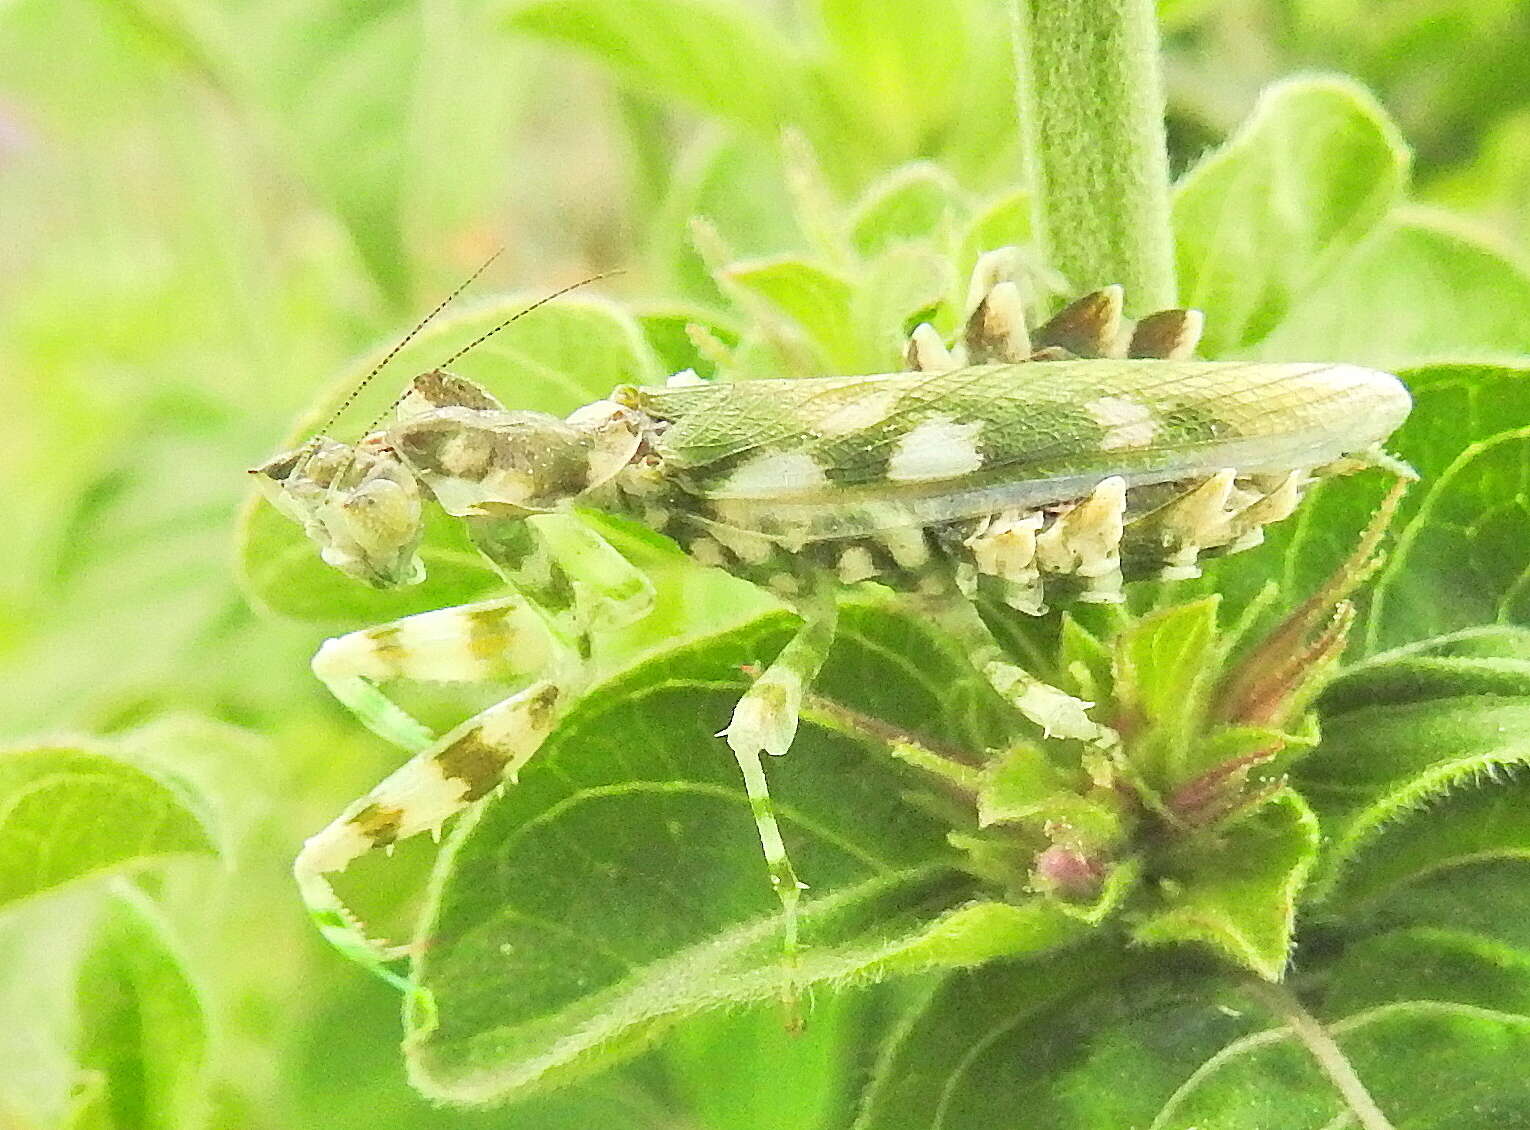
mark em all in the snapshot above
pixel 619 886
pixel 1075 1041
pixel 1238 895
pixel 1262 219
pixel 1162 662
pixel 1476 661
pixel 434 110
pixel 881 69
pixel 1428 963
pixel 283 574
pixel 669 334
pixel 913 202
pixel 70 811
pixel 1459 560
pixel 745 1069
pixel 735 187
pixel 814 297
pixel 1424 287
pixel 1004 221
pixel 348 1067
pixel 1487 820
pixel 717 57
pixel 1489 898
pixel 1381 765
pixel 902 287
pixel 1426 1063
pixel 142 1029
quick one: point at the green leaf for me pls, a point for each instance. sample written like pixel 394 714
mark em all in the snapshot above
pixel 1454 406
pixel 1459 559
pixel 1262 219
pixel 553 360
pixel 1239 896
pixel 619 888
pixel 1162 665
pixel 1424 287
pixel 1004 221
pixel 1071 1040
pixel 744 1069
pixel 913 202
pixel 881 67
pixel 1378 765
pixel 1496 183
pixel 1489 898
pixel 668 333
pixel 1177 14
pixel 1482 821
pixel 904 286
pixel 718 57
pixel 1489 641
pixel 1122 880
pixel 282 573
pixel 1084 660
pixel 1458 409
pixel 737 187
pixel 1426 1063
pixel 815 298
pixel 87 1105
pixel 1415 55
pixel 342 80
pixel 1416 677
pixel 1020 785
pixel 1428 963
pixel 142 1030
pixel 1077 1045
pixel 347 1070
pixel 402 134
pixel 67 812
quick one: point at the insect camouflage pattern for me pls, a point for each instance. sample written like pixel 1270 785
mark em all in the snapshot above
pixel 1030 467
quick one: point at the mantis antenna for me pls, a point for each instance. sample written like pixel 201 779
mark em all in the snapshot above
pixel 487 334
pixel 405 340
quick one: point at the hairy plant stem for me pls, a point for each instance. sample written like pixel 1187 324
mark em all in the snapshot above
pixel 1091 122
pixel 1325 1050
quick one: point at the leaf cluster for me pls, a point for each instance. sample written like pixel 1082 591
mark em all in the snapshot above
pixel 547 953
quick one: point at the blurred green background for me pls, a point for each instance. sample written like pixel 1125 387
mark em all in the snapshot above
pixel 208 208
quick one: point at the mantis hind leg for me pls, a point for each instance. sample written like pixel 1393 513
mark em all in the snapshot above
pixel 765 721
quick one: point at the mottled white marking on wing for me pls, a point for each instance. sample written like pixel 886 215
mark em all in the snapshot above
pixel 1127 422
pixel 785 472
pixel 937 448
pixel 865 411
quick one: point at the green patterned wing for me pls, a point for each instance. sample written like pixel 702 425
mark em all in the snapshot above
pixel 1015 424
